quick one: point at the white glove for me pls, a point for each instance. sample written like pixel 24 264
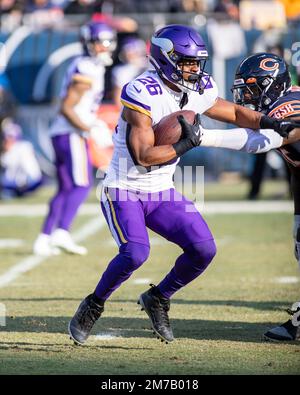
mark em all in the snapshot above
pixel 101 134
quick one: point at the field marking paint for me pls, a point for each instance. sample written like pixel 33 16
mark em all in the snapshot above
pixel 221 241
pixel 268 206
pixel 106 336
pixel 33 261
pixel 40 210
pixel 11 243
pixel 287 280
pixel 141 281
pixel 210 208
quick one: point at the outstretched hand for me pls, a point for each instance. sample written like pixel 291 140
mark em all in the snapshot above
pixel 281 126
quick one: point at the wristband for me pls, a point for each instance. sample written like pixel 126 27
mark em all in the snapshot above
pixel 267 122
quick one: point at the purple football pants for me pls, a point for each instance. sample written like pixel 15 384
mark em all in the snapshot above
pixel 74 181
pixel 176 219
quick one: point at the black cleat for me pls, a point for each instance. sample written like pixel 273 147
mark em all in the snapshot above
pixel 288 331
pixel 85 317
pixel 157 307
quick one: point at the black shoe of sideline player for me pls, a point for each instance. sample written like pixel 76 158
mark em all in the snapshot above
pixel 288 331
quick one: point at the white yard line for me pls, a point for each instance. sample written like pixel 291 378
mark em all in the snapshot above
pixel 139 281
pixel 263 207
pixel 106 336
pixel 32 261
pixel 286 280
pixel 40 210
pixel 234 207
pixel 11 243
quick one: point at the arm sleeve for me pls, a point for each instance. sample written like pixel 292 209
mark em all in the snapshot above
pixel 240 139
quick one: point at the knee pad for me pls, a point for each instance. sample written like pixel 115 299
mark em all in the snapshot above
pixel 202 253
pixel 135 254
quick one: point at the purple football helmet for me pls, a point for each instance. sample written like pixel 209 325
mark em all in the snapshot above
pixel 101 33
pixel 173 45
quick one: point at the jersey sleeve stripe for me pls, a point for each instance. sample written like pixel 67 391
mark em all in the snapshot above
pixel 129 99
pixel 136 108
pixel 292 103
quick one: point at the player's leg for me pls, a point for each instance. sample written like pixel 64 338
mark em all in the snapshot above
pixel 42 245
pixel 290 330
pixel 256 176
pixel 125 217
pixel 179 222
pixel 78 167
pixel 295 186
pixel 126 221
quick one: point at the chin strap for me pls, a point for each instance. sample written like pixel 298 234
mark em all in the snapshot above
pixel 184 100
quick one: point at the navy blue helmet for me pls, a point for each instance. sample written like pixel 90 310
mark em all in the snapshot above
pixel 260 80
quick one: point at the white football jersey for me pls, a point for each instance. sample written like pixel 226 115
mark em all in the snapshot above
pixel 124 73
pixel 149 95
pixel 82 69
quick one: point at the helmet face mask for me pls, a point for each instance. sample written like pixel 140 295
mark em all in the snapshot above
pixel 188 79
pixel 175 49
pixel 249 94
pixel 99 41
pixel 260 80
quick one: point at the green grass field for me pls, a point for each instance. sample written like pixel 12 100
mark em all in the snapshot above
pixel 218 320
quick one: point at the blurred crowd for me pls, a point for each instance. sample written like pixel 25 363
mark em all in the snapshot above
pixel 64 13
pixel 56 9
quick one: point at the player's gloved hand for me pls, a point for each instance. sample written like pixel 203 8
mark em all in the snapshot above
pixel 281 126
pixel 190 137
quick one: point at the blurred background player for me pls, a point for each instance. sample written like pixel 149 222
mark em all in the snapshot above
pixel 135 198
pixel 21 172
pixel 133 62
pixel 82 92
pixel 263 82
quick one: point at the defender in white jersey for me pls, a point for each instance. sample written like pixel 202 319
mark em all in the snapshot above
pixel 138 190
pixel 81 94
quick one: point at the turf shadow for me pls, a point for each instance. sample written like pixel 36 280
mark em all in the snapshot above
pixel 125 327
pixel 280 305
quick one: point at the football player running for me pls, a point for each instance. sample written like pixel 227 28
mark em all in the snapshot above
pixel 138 189
pixel 263 83
pixel 81 94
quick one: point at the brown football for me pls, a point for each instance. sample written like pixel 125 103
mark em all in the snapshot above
pixel 168 130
